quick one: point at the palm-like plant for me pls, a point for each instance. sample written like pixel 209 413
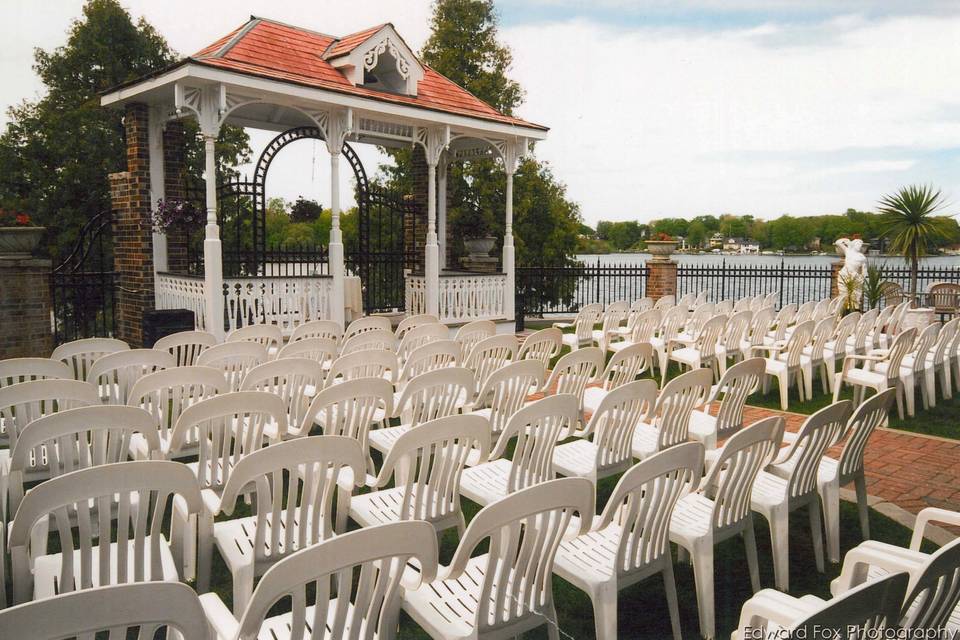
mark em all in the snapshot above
pixel 908 218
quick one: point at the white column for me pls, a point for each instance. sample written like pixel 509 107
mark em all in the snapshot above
pixel 508 251
pixel 442 212
pixel 335 252
pixel 431 267
pixel 157 191
pixel 212 249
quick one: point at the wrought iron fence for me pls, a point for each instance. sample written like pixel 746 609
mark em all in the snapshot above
pixel 287 260
pixel 793 283
pixel 926 276
pixel 545 290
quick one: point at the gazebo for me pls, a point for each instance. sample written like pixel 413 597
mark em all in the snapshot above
pixel 366 87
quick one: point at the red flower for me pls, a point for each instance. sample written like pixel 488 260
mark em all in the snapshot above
pixel 23 219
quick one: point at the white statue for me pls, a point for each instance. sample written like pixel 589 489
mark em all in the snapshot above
pixel 854 270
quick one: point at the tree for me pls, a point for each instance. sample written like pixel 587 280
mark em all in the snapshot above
pixel 56 152
pixel 304 210
pixel 908 219
pixel 463 46
pixel 696 234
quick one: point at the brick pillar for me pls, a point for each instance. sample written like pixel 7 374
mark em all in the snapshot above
pixel 175 188
pixel 415 227
pixel 25 300
pixel 661 279
pixel 132 232
pixel 835 278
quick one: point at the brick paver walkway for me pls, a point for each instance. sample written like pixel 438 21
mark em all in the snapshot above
pixel 910 470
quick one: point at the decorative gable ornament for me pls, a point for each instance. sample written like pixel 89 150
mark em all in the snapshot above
pixel 382 62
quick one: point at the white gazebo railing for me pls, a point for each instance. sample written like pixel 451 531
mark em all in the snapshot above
pixel 463 297
pixel 176 291
pixel 285 301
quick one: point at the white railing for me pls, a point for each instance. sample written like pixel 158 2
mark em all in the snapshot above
pixel 463 296
pixel 176 291
pixel 282 301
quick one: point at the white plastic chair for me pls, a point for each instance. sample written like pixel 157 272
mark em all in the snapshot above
pixel 783 321
pixel 625 366
pixel 114 374
pixel 720 509
pixel 670 326
pixel 491 354
pixel 941 361
pixel 21 404
pixel 414 321
pixel 372 363
pixel 349 409
pixel 669 422
pixel 506 390
pixel 582 326
pixel 740 380
pixel 629 542
pixel 322 350
pixel 80 354
pixel 839 345
pixel 142 608
pixel 186 346
pixel 419 336
pixel 611 427
pixel 613 316
pixel 545 345
pixel 697 319
pixel 326 329
pixel 374 339
pixel 295 380
pixel 701 350
pixel 296 486
pixel 506 591
pixel 785 363
pixel 137 551
pixel 725 307
pixel 758 332
pixel 879 378
pixel 919 363
pixel 473 332
pixel 934 587
pixel 429 396
pixel 860 613
pixel 814 362
pixel 223 430
pixel 165 395
pixel 637 309
pixel 439 354
pixel 730 343
pixel 366 323
pixel 234 359
pixel 269 336
pixel 313 581
pixel 642 330
pixel 574 371
pixel 537 428
pixel 859 342
pixel 17 370
pixel 427 463
pixel 790 483
pixel 665 302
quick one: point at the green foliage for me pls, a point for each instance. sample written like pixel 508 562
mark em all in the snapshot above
pixel 873 285
pixel 697 234
pixel 304 210
pixel 908 220
pixel 621 235
pixel 673 227
pixel 56 152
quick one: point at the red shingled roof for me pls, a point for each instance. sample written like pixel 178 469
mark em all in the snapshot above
pixel 282 52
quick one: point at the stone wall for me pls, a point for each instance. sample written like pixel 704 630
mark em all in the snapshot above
pixel 174 179
pixel 25 299
pixel 132 229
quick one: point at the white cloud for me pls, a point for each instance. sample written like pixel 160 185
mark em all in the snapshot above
pixel 653 121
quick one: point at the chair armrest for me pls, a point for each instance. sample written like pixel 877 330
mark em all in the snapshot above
pixel 776 346
pixel 928 515
pixel 865 356
pixel 224 625
pixel 770 605
pixel 857 563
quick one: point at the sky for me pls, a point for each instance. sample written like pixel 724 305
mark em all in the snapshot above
pixel 656 107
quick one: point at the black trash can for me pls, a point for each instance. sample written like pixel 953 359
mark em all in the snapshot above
pixel 158 323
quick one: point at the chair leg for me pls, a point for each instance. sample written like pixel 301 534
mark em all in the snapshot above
pixel 824 377
pixel 908 387
pixel 703 577
pixel 553 631
pixel 783 381
pixel 780 541
pixel 830 496
pixel 816 532
pixel 242 588
pixel 864 511
pixel 753 563
pixel 837 386
pixel 605 611
pixel 670 586
pixel 899 394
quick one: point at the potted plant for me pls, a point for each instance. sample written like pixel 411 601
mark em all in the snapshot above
pixel 475 226
pixel 661 246
pixel 19 237
pixel 176 214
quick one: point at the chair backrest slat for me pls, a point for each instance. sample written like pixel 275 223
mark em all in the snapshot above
pixel 543 345
pixel 115 374
pixel 373 363
pixel 506 389
pixel 234 359
pixel 80 354
pixel 186 346
pixel 676 403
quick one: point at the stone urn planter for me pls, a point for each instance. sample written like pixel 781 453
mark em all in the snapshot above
pixel 661 250
pixel 479 247
pixel 17 243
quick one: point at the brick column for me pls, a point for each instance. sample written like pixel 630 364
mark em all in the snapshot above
pixel 835 278
pixel 415 227
pixel 25 300
pixel 175 188
pixel 132 232
pixel 661 279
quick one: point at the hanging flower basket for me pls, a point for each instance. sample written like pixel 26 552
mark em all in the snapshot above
pixel 18 235
pixel 173 213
